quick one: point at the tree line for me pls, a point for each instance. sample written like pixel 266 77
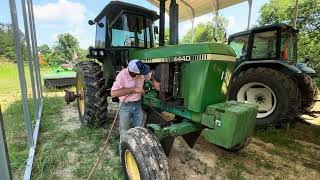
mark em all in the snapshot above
pixel 62 50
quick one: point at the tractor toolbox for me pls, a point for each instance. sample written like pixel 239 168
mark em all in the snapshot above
pixel 233 123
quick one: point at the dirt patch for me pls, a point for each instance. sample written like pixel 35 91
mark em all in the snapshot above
pixel 259 160
pixel 72 157
pixel 70 118
pixel 64 173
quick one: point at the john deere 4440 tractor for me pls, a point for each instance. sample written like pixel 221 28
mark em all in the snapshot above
pixel 195 80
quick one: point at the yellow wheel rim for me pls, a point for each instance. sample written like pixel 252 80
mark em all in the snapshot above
pixel 131 166
pixel 80 91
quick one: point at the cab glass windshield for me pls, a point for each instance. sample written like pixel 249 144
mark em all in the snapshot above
pixel 288 46
pixel 131 30
pixel 240 45
pixel 264 45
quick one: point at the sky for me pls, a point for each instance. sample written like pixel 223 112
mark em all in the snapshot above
pixel 53 17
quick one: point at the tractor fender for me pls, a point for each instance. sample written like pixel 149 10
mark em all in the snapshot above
pixel 306 69
pixel 283 67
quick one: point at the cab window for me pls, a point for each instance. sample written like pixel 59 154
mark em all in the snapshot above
pixel 128 31
pixel 264 45
pixel 101 33
pixel 288 46
pixel 240 45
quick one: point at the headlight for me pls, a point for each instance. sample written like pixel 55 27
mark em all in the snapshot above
pixel 101 53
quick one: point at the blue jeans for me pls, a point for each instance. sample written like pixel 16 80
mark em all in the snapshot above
pixel 130 115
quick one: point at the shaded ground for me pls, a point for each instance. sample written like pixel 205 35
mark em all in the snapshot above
pixel 272 154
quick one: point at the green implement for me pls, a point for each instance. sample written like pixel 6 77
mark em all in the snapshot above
pixel 60 77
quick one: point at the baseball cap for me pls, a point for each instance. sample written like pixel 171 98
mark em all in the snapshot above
pixel 138 67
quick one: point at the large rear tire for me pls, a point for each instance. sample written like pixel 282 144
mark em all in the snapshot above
pixel 90 85
pixel 276 94
pixel 142 156
pixel 309 92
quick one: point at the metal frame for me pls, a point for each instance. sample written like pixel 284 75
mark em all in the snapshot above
pixel 36 85
pixel 5 169
pixel 162 22
pixel 173 21
pixel 296 7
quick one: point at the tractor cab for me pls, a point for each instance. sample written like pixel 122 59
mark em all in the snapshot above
pixel 272 42
pixel 121 26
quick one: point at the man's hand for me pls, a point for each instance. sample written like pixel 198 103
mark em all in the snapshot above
pixel 138 90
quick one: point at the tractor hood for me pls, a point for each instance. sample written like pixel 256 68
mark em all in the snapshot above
pixel 183 50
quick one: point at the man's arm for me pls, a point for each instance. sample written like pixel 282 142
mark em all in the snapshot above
pixel 125 91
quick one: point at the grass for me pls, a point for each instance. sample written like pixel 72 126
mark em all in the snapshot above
pixel 56 144
pixel 235 174
pixel 71 153
pixel 10 98
pixel 280 138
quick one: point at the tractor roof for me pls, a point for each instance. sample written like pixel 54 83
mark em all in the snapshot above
pixel 265 28
pixel 115 7
pixel 199 8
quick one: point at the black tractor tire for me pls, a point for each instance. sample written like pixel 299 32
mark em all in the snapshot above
pixel 285 89
pixel 149 157
pixel 94 94
pixel 309 91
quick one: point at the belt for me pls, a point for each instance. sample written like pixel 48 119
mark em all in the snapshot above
pixel 132 102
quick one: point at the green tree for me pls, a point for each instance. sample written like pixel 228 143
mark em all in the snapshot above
pixel 64 47
pixel 308 22
pixel 7 48
pixel 166 36
pixel 44 49
pixel 204 32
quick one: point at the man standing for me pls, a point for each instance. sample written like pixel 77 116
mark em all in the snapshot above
pixel 128 86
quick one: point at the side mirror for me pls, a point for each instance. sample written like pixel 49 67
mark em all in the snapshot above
pixel 156 29
pixel 90 22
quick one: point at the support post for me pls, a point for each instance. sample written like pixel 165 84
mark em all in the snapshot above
pixel 174 12
pixel 162 22
pixel 35 49
pixel 5 168
pixel 30 59
pixel 23 86
pixel 249 15
pixel 296 14
pixel 215 8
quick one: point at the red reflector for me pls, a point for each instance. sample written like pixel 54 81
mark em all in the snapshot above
pixel 285 52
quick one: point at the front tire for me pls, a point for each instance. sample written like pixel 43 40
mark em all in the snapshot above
pixel 276 95
pixel 142 156
pixel 309 92
pixel 92 103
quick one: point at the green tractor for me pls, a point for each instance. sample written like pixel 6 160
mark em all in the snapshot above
pixel 268 75
pixel 195 81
